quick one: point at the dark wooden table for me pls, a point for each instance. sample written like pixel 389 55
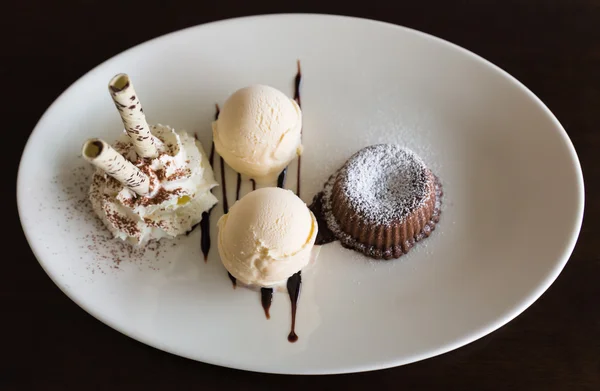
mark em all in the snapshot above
pixel 552 46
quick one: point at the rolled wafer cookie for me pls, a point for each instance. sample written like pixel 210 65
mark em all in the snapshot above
pixel 105 157
pixel 127 102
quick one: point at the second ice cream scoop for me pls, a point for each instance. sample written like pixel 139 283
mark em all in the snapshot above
pixel 258 132
pixel 266 237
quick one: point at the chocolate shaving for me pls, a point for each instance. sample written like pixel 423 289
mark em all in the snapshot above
pixel 179 173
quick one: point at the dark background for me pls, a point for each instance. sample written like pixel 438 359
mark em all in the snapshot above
pixel 48 342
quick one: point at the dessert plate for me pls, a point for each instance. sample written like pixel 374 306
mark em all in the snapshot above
pixel 511 215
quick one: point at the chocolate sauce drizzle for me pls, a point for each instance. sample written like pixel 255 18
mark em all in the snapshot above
pixel 324 235
pixel 293 287
pixel 253 184
pixel 281 178
pixel 266 298
pixel 233 280
pixel 297 83
pixel 295 281
pixel 238 187
pixel 205 236
pixel 223 186
pixel 211 158
pixel 205 222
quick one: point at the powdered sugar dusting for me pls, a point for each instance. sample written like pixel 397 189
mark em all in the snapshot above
pixel 409 122
pixel 382 186
pixel 385 183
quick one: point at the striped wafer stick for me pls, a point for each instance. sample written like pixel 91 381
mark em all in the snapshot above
pixel 127 102
pixel 105 157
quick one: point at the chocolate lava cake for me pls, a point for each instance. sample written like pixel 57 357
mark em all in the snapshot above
pixel 382 201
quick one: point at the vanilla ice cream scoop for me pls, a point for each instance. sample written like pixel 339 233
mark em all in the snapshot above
pixel 266 237
pixel 258 132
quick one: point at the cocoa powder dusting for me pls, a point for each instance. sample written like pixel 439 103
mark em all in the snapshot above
pixel 180 173
pixel 100 253
pixel 160 174
pixel 122 223
pixel 161 196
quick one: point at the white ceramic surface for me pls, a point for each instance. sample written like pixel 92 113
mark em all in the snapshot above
pixel 512 209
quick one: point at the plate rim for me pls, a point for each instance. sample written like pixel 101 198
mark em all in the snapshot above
pixel 473 336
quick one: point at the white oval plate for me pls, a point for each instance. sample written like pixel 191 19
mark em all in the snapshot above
pixel 512 210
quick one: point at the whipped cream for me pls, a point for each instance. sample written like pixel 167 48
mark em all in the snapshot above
pixel 180 182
